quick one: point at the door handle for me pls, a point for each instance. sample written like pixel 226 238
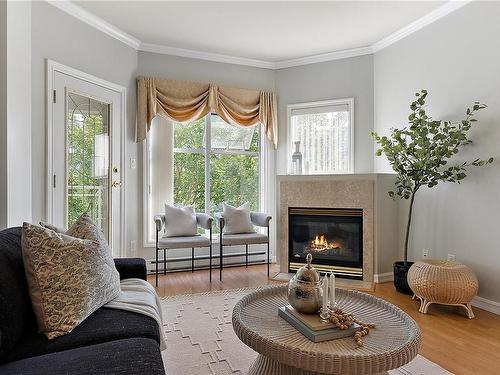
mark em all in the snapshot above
pixel 116 184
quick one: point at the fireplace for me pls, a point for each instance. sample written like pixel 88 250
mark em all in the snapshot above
pixel 333 236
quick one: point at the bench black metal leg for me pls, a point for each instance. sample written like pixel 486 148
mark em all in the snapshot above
pixel 268 251
pixel 267 258
pixel 210 253
pixel 156 266
pixel 156 263
pixel 164 261
pixel 246 255
pixel 192 259
pixel 220 262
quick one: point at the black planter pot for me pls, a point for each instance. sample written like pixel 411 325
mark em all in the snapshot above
pixel 400 280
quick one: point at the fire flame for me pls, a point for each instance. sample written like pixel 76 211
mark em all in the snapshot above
pixel 320 242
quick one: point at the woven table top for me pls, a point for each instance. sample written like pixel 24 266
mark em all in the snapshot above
pixel 394 342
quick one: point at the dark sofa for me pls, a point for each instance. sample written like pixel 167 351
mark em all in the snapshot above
pixel 108 342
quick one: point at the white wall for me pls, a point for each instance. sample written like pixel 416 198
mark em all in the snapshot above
pixel 15 122
pixel 457 60
pixel 19 178
pixel 346 78
pixel 3 114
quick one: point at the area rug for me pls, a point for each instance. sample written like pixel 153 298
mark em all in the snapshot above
pixel 201 340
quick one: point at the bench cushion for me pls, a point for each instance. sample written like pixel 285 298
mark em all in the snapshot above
pixel 183 242
pixel 244 238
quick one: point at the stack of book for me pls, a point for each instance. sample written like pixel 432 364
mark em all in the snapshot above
pixel 311 326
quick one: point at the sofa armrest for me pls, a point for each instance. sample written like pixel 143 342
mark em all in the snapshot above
pixel 260 219
pixel 129 268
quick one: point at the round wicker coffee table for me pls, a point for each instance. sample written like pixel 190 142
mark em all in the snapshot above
pixel 283 350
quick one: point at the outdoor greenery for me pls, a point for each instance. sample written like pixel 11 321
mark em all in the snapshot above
pixel 86 192
pixel 421 152
pixel 234 178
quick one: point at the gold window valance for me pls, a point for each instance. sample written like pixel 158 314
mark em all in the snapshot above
pixel 189 101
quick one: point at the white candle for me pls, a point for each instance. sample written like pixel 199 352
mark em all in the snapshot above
pixel 325 292
pixel 332 289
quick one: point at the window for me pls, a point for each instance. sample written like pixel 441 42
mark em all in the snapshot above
pixel 321 137
pixel 211 162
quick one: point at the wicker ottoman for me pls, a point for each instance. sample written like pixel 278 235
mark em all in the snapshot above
pixel 444 282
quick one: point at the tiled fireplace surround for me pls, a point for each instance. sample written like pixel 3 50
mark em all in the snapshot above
pixel 343 191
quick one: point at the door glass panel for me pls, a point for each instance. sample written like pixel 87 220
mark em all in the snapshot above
pixel 87 155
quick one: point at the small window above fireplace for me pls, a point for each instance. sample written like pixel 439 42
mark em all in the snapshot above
pixel 321 137
pixel 333 236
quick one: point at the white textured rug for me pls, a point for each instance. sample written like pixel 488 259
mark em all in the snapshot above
pixel 201 340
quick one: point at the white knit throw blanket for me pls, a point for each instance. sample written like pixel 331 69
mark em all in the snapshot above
pixel 140 297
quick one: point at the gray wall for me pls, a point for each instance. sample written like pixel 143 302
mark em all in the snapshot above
pixel 457 60
pixel 62 38
pixel 386 225
pixel 165 66
pixel 3 114
pixel 346 78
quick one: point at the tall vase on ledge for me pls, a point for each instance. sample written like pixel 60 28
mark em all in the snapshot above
pixel 297 159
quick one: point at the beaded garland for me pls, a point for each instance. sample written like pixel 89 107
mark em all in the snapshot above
pixel 343 321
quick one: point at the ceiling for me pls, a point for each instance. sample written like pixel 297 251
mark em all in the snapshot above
pixel 268 31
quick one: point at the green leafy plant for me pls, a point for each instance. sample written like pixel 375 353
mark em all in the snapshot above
pixel 420 153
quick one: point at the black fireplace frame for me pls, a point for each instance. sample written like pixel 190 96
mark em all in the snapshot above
pixel 343 269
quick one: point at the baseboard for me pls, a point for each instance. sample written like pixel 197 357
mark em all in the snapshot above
pixel 383 277
pixel 486 304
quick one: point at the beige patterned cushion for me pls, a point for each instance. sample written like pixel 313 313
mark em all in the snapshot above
pixel 68 278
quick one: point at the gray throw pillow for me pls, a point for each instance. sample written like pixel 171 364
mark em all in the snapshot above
pixel 237 220
pixel 180 221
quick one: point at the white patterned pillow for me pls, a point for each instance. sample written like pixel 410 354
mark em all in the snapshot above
pixel 180 221
pixel 68 278
pixel 237 220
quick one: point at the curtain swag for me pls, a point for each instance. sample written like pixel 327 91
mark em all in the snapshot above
pixel 189 101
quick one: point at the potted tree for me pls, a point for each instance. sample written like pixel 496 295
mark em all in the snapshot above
pixel 420 154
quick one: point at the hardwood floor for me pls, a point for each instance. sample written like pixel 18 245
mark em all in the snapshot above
pixel 460 345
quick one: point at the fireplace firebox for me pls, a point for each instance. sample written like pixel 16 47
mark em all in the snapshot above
pixel 334 237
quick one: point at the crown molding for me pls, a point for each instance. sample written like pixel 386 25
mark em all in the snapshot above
pixel 96 22
pixel 330 56
pixel 422 22
pixel 166 50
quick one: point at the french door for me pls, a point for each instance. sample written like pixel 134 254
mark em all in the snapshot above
pixel 85 153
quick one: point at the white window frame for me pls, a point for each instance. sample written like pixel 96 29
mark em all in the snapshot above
pixel 323 103
pixel 264 163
